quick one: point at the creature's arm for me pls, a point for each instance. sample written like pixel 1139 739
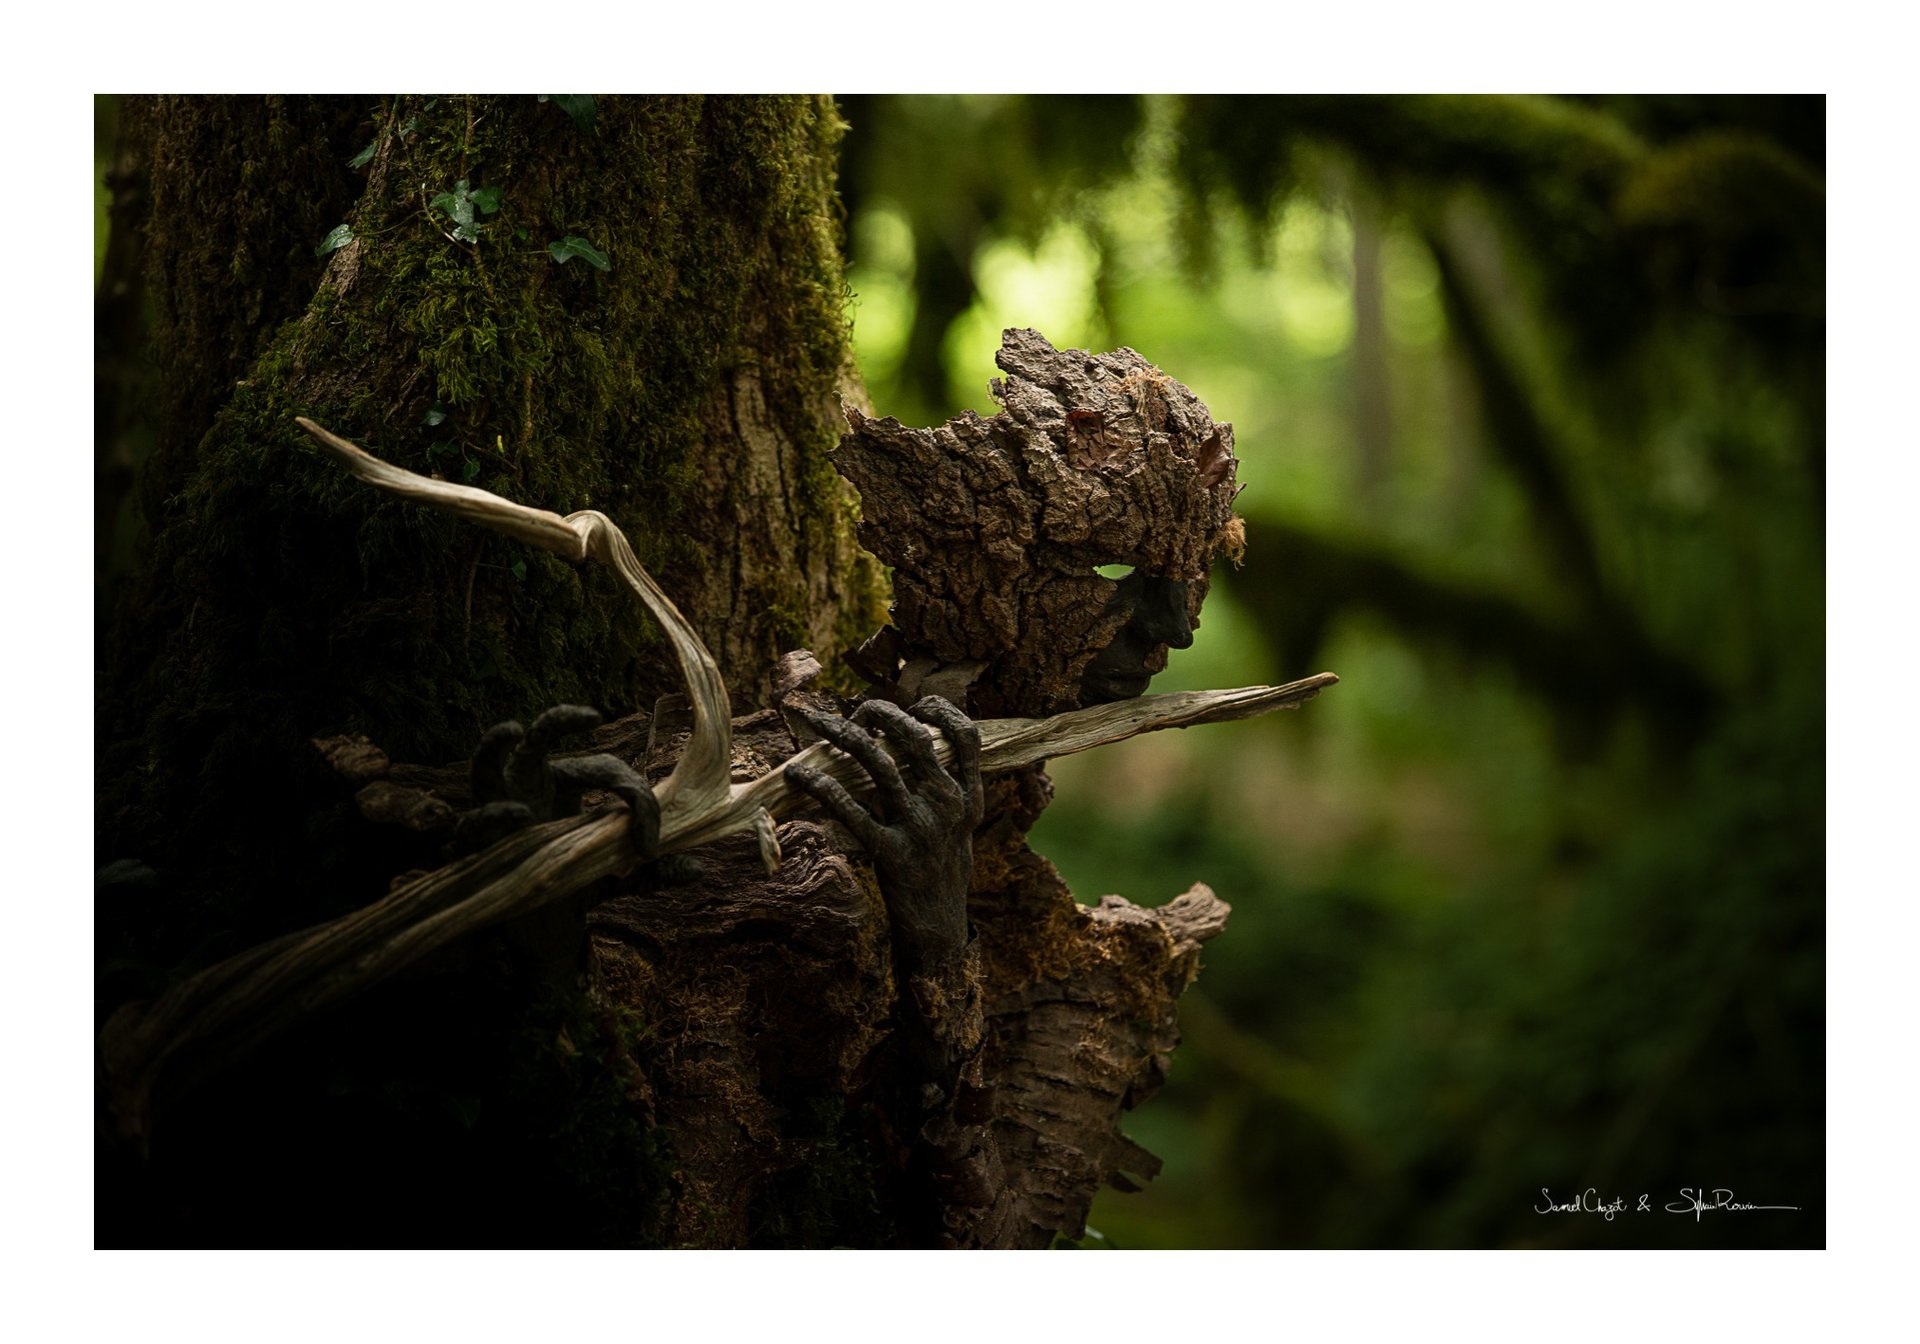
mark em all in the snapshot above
pixel 920 835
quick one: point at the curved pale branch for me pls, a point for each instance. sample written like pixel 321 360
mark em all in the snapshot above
pixel 701 777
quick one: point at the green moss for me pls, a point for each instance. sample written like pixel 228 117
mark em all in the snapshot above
pixel 861 615
pixel 242 190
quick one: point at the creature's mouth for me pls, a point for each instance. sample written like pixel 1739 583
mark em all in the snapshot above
pixel 1099 688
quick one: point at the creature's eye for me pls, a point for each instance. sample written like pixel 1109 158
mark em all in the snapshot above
pixel 1114 571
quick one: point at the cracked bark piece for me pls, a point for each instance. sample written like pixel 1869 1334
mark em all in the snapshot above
pixel 388 804
pixel 353 757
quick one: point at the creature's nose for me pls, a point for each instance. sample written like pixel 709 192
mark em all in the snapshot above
pixel 1163 614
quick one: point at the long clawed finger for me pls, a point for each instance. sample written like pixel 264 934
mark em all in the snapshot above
pixel 838 803
pixel 963 735
pixel 645 825
pixel 914 742
pixel 527 772
pixel 487 776
pixel 561 721
pixel 484 825
pixel 556 723
pixel 865 748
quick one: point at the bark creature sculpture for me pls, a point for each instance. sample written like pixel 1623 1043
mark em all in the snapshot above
pixel 994 1068
pixel 995 529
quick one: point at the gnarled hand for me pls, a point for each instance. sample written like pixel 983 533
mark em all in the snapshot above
pixel 515 784
pixel 920 830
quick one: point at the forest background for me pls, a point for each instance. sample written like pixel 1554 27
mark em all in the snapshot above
pixel 1529 394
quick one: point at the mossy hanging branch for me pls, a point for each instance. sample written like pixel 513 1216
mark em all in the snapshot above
pixel 227 1011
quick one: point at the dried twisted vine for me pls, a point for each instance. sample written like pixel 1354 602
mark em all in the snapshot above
pixel 225 1012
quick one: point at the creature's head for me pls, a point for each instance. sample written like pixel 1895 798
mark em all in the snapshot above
pixel 997 529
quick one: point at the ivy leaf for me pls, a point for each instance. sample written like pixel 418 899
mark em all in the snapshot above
pixel 579 106
pixel 566 249
pixel 450 201
pixel 365 156
pixel 441 449
pixel 436 414
pixel 519 570
pixel 458 205
pixel 487 199
pixel 341 235
pixel 469 470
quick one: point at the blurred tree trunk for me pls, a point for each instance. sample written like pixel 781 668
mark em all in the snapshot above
pixel 1372 393
pixel 677 364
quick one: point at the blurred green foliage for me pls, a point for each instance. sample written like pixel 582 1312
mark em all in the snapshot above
pixel 1529 399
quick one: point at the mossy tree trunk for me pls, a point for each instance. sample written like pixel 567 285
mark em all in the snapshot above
pixel 689 389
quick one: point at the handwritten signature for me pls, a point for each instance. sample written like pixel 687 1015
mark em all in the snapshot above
pixel 1695 1202
pixel 1587 1201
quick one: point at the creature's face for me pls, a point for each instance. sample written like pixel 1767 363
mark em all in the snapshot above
pixel 996 529
pixel 1158 619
